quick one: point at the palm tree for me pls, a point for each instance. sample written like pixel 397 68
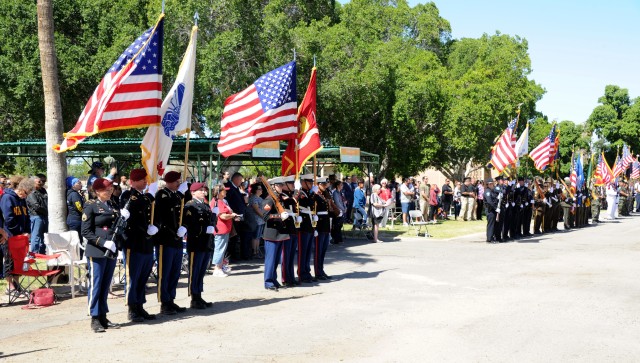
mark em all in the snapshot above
pixel 56 163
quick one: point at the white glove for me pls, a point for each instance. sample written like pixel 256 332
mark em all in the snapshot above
pixel 315 218
pixel 284 215
pixel 210 230
pixel 298 219
pixel 340 214
pixel 315 233
pixel 531 201
pixel 183 187
pixel 181 231
pixel 513 204
pixel 152 230
pixel 526 204
pixel 498 210
pixel 152 188
pixel 110 245
pixel 314 189
pixel 125 214
pixel 215 210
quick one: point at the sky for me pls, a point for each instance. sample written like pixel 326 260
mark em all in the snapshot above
pixel 576 47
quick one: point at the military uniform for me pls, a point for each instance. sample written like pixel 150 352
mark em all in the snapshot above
pixel 498 194
pixel 540 206
pixel 307 206
pixel 490 205
pixel 596 203
pixel 556 207
pixel 276 232
pixel 506 211
pixel 289 246
pixel 324 234
pixel 623 193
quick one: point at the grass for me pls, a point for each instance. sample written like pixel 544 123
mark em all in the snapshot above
pixel 442 230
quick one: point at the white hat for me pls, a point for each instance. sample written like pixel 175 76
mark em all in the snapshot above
pixel 306 177
pixel 289 179
pixel 321 179
pixel 276 180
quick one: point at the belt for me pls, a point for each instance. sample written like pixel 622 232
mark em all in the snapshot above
pixel 322 213
pixel 305 210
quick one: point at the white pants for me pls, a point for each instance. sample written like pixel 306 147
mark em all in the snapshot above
pixel 612 207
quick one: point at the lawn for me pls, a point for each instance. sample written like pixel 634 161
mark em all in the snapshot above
pixel 442 230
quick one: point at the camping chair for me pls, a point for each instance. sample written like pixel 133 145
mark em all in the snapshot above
pixel 19 250
pixel 67 245
pixel 416 220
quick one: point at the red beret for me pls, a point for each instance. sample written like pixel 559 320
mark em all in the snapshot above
pixel 171 176
pixel 100 184
pixel 197 186
pixel 137 174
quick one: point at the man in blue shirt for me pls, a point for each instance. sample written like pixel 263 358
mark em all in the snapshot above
pixel 359 202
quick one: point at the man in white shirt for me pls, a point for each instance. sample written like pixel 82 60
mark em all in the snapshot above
pixel 407 193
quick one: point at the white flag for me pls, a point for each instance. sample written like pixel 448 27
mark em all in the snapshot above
pixel 522 146
pixel 176 119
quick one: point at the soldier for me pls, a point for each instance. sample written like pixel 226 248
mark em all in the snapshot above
pixel 520 197
pixel 548 211
pixel 540 205
pixel 622 200
pixel 307 230
pixel 99 217
pixel 169 241
pixel 324 231
pixel 498 193
pixel 528 208
pixel 596 202
pixel 506 209
pixel 138 244
pixel 566 203
pixel 200 223
pixel 290 203
pixel 490 206
pixel 556 207
pixel 275 233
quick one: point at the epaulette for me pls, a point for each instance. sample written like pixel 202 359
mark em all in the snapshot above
pixel 133 197
pixel 90 201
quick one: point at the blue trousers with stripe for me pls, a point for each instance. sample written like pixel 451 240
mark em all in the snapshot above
pixel 100 282
pixel 288 257
pixel 304 255
pixel 321 246
pixel 138 267
pixel 272 251
pixel 198 262
pixel 169 266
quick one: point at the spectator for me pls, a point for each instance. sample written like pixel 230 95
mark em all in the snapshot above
pixel 388 197
pixel 255 217
pixel 378 207
pixel 433 203
pixel 75 204
pixel 347 190
pixel 339 201
pixel 37 203
pixel 16 218
pixel 240 245
pixel 425 195
pixel 480 200
pixel 457 200
pixel 97 171
pixel 223 228
pixel 3 182
pixel 447 198
pixel 124 183
pixel 359 203
pixel 407 192
pixel 224 177
pixel 468 196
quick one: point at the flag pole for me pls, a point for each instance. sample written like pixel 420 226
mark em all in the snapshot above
pixel 184 169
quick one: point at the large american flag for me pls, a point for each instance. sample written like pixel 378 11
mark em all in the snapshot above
pixel 130 93
pixel 544 153
pixel 618 167
pixel 635 170
pixel 504 151
pixel 603 174
pixel 573 178
pixel 265 111
pixel 627 158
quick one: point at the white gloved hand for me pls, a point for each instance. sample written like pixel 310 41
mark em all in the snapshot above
pixel 183 187
pixel 315 233
pixel 498 210
pixel 340 214
pixel 110 245
pixel 152 188
pixel 181 231
pixel 215 210
pixel 125 214
pixel 531 201
pixel 315 218
pixel 314 189
pixel 210 229
pixel 152 230
pixel 284 215
pixel 298 219
pixel 513 204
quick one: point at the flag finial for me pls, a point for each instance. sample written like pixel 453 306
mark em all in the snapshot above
pixel 314 60
pixel 294 54
pixel 196 17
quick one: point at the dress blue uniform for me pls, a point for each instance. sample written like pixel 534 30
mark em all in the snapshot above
pixel 276 233
pixel 324 235
pixel 306 236
pixel 289 246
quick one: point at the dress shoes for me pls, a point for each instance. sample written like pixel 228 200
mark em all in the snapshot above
pixel 178 309
pixel 271 288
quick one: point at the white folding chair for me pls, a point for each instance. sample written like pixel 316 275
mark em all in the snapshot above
pixel 67 244
pixel 416 220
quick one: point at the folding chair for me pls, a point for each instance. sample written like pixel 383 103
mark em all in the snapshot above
pixel 416 220
pixel 67 245
pixel 19 250
pixel 360 225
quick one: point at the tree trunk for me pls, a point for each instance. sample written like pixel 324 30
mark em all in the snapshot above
pixel 56 163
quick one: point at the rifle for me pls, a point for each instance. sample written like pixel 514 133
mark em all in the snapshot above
pixel 273 195
pixel 120 223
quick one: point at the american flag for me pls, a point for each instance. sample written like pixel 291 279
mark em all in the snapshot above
pixel 635 170
pixel 603 174
pixel 573 178
pixel 627 158
pixel 129 95
pixel 618 167
pixel 504 151
pixel 544 153
pixel 265 111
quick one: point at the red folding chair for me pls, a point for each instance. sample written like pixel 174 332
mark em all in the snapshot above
pixel 19 250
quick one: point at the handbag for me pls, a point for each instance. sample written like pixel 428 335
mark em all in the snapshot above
pixel 41 298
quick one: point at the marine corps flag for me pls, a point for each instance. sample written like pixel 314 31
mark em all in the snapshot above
pixel 307 144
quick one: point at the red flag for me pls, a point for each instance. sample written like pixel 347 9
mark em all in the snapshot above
pixel 308 139
pixel 130 94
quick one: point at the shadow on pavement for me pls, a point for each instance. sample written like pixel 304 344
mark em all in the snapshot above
pixel 2 355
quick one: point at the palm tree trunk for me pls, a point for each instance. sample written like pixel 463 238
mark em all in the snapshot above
pixel 56 163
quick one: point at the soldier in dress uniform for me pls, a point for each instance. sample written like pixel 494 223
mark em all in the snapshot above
pixel 99 217
pixel 290 203
pixel 307 206
pixel 169 240
pixel 490 205
pixel 138 243
pixel 548 210
pixel 519 197
pixel 276 232
pixel 506 209
pixel 566 203
pixel 200 223
pixel 555 206
pixel 540 205
pixel 528 208
pixel 498 192
pixel 324 231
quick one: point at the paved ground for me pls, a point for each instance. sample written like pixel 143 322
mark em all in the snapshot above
pixel 570 296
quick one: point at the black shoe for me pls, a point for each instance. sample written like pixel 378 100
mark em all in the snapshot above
pixel 106 323
pixel 206 303
pixel 289 285
pixel 144 314
pixel 322 278
pixel 272 288
pixel 96 326
pixel 307 281
pixel 178 309
pixel 167 309
pixel 326 276
pixel 196 303
pixel 134 315
pixel 296 282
